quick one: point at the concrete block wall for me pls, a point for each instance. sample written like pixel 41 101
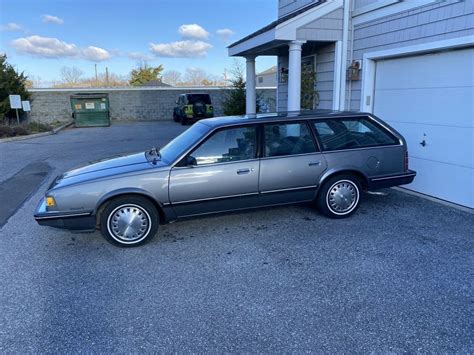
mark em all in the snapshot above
pixel 49 105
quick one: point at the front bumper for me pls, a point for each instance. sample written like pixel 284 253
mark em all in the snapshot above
pixel 392 180
pixel 84 221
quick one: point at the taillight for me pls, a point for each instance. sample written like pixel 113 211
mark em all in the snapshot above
pixel 406 160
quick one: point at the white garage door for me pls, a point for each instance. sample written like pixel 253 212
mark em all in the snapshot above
pixel 430 98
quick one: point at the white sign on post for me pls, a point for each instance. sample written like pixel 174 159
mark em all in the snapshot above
pixel 26 106
pixel 15 101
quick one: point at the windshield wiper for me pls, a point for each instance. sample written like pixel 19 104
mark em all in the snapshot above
pixel 153 154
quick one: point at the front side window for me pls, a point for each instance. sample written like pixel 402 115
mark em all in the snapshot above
pixel 356 132
pixel 288 139
pixel 227 145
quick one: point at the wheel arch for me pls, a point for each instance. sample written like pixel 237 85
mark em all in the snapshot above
pixel 363 179
pixel 102 203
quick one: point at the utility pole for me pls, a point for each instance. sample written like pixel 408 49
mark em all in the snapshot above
pixel 225 77
pixel 96 78
pixel 107 76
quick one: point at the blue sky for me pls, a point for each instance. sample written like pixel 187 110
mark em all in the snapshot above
pixel 39 37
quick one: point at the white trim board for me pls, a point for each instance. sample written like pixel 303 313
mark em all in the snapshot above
pixel 336 93
pixel 369 65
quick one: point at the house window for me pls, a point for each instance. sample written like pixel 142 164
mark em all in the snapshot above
pixel 260 79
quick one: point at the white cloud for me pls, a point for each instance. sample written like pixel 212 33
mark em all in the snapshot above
pixel 11 27
pixel 46 47
pixel 193 31
pixel 139 56
pixel 225 34
pixel 95 54
pixel 52 19
pixel 185 48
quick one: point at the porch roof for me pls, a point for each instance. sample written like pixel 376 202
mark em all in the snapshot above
pixel 268 39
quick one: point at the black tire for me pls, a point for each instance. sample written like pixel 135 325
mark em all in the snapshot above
pixel 339 197
pixel 199 109
pixel 184 121
pixel 136 209
pixel 175 117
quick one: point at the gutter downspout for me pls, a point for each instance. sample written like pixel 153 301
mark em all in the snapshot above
pixel 345 38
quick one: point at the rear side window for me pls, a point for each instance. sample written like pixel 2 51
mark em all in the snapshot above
pixel 288 139
pixel 356 132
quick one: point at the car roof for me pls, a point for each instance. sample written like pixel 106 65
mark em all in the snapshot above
pixel 280 116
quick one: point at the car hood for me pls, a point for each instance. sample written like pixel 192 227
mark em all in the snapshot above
pixel 107 168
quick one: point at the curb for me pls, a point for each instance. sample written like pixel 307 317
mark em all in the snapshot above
pixel 37 135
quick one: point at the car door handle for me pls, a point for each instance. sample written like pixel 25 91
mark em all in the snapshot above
pixel 243 171
pixel 314 163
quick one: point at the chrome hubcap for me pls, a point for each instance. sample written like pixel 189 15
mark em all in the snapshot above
pixel 129 223
pixel 342 197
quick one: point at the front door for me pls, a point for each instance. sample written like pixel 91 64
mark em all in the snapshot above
pixel 221 174
pixel 291 165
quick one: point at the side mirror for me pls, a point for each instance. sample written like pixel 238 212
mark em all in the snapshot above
pixel 191 161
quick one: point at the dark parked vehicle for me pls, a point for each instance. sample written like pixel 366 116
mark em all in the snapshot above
pixel 231 163
pixel 192 107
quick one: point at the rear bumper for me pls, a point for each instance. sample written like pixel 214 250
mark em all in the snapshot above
pixel 73 221
pixel 392 180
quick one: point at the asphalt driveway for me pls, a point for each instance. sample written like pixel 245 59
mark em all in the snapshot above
pixel 396 277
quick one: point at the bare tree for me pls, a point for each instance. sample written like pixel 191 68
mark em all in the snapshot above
pixel 195 76
pixel 172 77
pixel 71 75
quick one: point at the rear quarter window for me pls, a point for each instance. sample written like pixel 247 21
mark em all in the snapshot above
pixel 352 132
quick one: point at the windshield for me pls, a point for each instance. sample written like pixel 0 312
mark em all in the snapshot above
pixel 193 98
pixel 174 149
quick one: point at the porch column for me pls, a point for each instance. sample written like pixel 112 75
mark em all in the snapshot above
pixel 250 88
pixel 294 76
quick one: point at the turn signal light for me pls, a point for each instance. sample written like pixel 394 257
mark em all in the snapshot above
pixel 50 201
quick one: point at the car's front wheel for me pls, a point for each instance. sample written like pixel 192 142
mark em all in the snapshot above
pixel 129 221
pixel 175 117
pixel 339 196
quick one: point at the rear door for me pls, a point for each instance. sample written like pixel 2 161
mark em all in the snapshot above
pixel 221 174
pixel 291 164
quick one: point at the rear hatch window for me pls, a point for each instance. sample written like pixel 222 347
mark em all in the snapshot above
pixel 194 98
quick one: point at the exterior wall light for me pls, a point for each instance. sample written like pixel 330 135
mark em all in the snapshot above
pixel 353 72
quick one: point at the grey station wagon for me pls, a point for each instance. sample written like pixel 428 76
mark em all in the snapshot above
pixel 227 164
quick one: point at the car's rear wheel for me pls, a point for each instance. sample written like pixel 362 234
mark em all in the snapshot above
pixel 339 197
pixel 129 221
pixel 184 121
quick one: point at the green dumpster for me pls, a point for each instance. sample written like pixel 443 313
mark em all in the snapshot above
pixel 90 110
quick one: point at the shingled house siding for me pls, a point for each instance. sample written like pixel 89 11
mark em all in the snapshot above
pixel 438 21
pixel 287 6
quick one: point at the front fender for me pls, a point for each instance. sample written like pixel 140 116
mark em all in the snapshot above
pixel 126 191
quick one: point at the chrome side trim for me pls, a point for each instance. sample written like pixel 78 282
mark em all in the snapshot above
pixel 63 215
pixel 363 148
pixel 290 189
pixel 215 164
pixel 214 198
pixel 291 155
pixel 393 177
